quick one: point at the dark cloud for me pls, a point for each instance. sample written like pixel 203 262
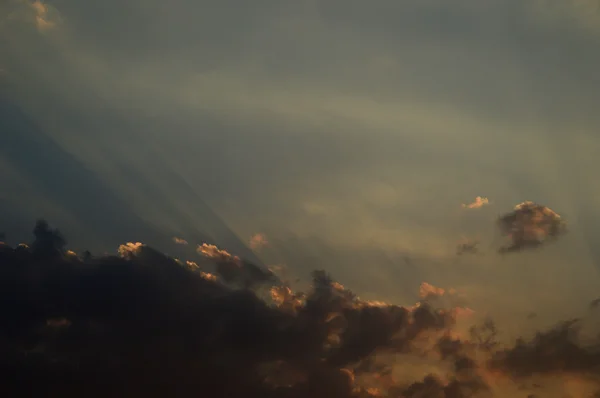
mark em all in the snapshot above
pixel 530 225
pixel 558 350
pixel 144 323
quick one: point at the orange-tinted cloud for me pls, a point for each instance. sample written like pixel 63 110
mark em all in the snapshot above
pixel 258 241
pixel 214 253
pixel 43 17
pixel 208 276
pixel 180 241
pixel 477 203
pixel 427 290
pixel 130 249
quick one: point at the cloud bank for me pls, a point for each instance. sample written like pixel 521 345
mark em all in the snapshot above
pixel 144 323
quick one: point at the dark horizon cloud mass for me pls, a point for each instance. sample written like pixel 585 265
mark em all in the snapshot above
pixel 379 142
pixel 143 323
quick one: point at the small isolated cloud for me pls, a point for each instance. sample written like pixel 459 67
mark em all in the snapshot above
pixel 530 225
pixel 477 203
pixel 180 241
pixel 258 241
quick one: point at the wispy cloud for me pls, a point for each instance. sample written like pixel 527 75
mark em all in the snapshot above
pixel 42 18
pixel 258 241
pixel 180 241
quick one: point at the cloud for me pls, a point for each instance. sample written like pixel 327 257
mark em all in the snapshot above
pixel 180 241
pixel 68 318
pixel 234 270
pixel 395 104
pixel 208 276
pixel 214 253
pixel 558 350
pixel 478 203
pixel 43 17
pixel 39 13
pixel 530 225
pixel 130 249
pixel 258 241
pixel 428 291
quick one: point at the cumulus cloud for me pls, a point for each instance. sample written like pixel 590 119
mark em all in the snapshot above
pixel 145 323
pixel 130 249
pixel 477 203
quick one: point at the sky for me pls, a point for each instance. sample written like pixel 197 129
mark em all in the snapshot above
pixel 347 133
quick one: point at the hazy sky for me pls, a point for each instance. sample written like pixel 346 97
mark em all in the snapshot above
pixel 348 132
